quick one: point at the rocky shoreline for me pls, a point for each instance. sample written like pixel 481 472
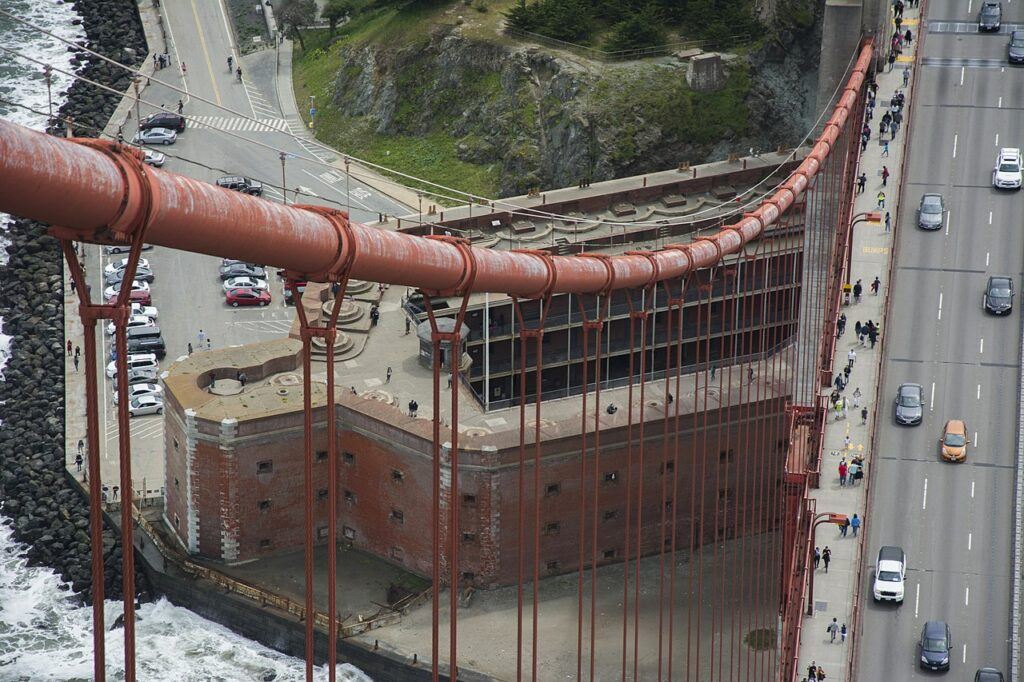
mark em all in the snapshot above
pixel 48 511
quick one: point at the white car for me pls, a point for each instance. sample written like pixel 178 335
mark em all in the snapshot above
pixel 155 136
pixel 119 265
pixel 114 289
pixel 133 321
pixel 154 158
pixel 147 404
pixel 245 283
pixel 124 248
pixel 135 361
pixel 147 310
pixel 1007 171
pixel 139 390
pixel 890 574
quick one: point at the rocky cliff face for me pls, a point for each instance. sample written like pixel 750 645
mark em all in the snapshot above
pixel 550 121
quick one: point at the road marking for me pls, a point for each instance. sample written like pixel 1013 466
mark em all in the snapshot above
pixel 206 53
pixel 975 439
pixel 972 490
pixel 931 401
pixel 1000 106
pixel 987 255
pixel 940 305
pixel 979 391
pixel 970 3
pixel 997 139
pixel 917 599
pixel 924 497
pixel 967 596
pixel 956 136
pixel 981 348
pixel 970 538
pixel 965 653
pixel 962 69
pixel 990 217
pixel 949 217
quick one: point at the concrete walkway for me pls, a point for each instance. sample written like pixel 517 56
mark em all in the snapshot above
pixel 834 589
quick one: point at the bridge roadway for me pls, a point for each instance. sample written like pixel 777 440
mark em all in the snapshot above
pixel 954 520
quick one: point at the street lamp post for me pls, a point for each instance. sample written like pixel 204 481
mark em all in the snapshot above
pixel 825 517
pixel 866 217
pixel 284 183
pixel 135 84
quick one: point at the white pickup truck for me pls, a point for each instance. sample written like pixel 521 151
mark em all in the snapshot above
pixel 890 574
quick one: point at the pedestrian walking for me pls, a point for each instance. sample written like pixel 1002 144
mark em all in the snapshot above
pixel 817 557
pixel 78 461
pixel 846 441
pixel 851 357
pixel 184 69
pixel 863 143
pixel 843 406
pixel 116 488
pixel 712 372
pixel 908 38
pixel 881 200
pixel 833 629
pixel 864 416
pixel 75 360
pixel 812 671
pixel 856 397
pixel 181 107
pixel 387 378
pixel 875 286
pixel 826 557
pixel 209 343
pixel 407 325
pixel 906 76
pixel 856 328
pixel 851 472
pixel 72 285
pixel 842 630
pixel 843 468
pixel 69 348
pixel 844 525
pixel 413 408
pixel 78 351
pixel 202 337
pixel 855 524
pixel 190 348
pixel 81 446
pixel 858 289
pixel 841 325
pixel 750 375
pixel 885 175
pixel 242 378
pixel 873 336
pixel 156 62
pixel 821 674
pixel 895 127
pixel 846 374
pixel 862 182
pixel 892 60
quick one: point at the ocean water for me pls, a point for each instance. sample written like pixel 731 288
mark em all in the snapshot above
pixel 44 633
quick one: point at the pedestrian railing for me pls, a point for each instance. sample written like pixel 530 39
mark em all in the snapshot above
pixel 624 55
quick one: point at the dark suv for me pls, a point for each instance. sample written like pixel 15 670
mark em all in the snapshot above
pixel 999 295
pixel 935 645
pixel 241 184
pixel 163 120
pixel 1015 50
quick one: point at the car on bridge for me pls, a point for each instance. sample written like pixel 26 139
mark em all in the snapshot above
pixel 909 404
pixel 241 184
pixel 954 441
pixel 936 643
pixel 155 136
pixel 890 574
pixel 1015 49
pixel 1007 172
pixel 990 16
pixel 988 675
pixel 931 212
pixel 998 298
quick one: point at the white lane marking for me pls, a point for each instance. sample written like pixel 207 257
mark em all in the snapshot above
pixel 924 496
pixel 990 217
pixel 1000 103
pixel 970 541
pixel 967 596
pixel 949 215
pixel 961 80
pixel 981 346
pixel 979 391
pixel 956 136
pixel 940 305
pixel 987 256
pixel 975 439
pixel 931 401
pixel 972 490
pixel 917 599
pixel 997 139
pixel 965 653
pixel 970 3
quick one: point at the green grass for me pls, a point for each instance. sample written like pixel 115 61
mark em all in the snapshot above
pixel 248 23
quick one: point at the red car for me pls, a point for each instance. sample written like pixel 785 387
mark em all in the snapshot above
pixel 237 297
pixel 140 297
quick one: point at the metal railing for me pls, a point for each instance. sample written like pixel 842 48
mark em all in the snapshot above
pixel 624 55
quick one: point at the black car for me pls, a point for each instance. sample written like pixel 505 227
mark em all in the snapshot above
pixel 988 675
pixel 936 644
pixel 909 404
pixel 1015 50
pixel 242 270
pixel 153 345
pixel 999 295
pixel 288 293
pixel 163 120
pixel 142 274
pixel 990 17
pixel 241 184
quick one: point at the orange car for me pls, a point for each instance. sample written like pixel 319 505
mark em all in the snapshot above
pixel 954 441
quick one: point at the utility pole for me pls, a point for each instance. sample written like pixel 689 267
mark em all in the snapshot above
pixel 284 183
pixel 48 75
pixel 135 84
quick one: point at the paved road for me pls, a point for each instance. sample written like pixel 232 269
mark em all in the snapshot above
pixel 187 290
pixel 953 520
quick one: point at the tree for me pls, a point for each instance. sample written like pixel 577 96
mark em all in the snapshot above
pixel 296 13
pixel 335 11
pixel 642 29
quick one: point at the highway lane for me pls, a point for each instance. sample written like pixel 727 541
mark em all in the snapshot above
pixel 953 520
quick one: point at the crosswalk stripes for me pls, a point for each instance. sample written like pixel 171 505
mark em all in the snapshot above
pixel 140 428
pixel 234 123
pixel 265 326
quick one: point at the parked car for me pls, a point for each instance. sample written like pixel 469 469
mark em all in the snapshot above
pixel 155 159
pixel 146 310
pixel 163 119
pixel 136 296
pixel 123 248
pixel 147 404
pixel 954 441
pixel 155 136
pixel 143 375
pixel 1007 172
pixel 140 361
pixel 140 389
pixel 237 297
pixel 990 16
pixel 134 321
pixel 241 184
pixel 909 404
pixel 245 283
pixel 1015 50
pixel 890 574
pixel 988 675
pixel 301 286
pixel 114 289
pixel 998 298
pixel 930 212
pixel 151 344
pixel 242 270
pixel 121 264
pixel 936 643
pixel 141 275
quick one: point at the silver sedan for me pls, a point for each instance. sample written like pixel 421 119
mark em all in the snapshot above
pixel 147 404
pixel 155 136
